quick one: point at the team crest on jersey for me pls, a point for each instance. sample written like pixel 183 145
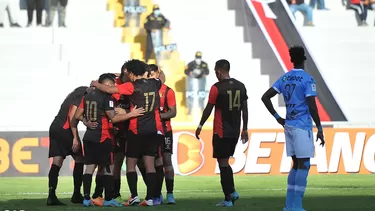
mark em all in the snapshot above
pixel 160 94
pixel 111 104
pixel 313 87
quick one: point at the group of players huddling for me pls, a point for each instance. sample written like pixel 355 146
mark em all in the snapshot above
pixel 128 115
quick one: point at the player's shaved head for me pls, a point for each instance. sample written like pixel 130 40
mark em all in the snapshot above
pixel 107 77
pixel 297 55
pixel 222 65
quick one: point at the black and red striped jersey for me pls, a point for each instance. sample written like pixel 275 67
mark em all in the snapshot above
pixel 73 99
pixel 227 95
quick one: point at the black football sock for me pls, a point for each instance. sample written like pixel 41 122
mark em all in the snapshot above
pixel 169 179
pixel 77 177
pixel 99 186
pixel 53 178
pixel 169 183
pixel 151 179
pixel 116 187
pixel 224 180
pixel 87 179
pixel 143 172
pixel 108 187
pixel 132 178
pixel 231 187
pixel 159 181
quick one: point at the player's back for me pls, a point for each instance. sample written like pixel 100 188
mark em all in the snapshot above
pixel 231 93
pixel 296 86
pixel 75 96
pixel 146 95
pixel 95 104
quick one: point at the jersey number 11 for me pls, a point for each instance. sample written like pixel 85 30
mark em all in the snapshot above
pixel 234 102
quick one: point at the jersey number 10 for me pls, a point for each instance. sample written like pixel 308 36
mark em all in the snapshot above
pixel 147 103
pixel 234 102
pixel 91 110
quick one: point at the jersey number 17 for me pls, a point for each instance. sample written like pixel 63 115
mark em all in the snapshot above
pixel 149 95
pixel 234 101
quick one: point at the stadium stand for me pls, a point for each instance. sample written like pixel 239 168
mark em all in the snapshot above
pixel 44 64
pixel 341 48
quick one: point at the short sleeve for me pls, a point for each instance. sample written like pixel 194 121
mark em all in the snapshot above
pixel 125 88
pixel 310 88
pixel 81 104
pixel 244 96
pixel 171 98
pixel 109 103
pixel 116 96
pixel 214 92
pixel 277 85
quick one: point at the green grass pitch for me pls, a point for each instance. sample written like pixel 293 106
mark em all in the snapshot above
pixel 257 193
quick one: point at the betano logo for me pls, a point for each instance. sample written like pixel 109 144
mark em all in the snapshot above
pixel 187 153
pixel 346 151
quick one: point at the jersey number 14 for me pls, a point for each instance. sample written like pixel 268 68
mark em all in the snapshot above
pixel 234 102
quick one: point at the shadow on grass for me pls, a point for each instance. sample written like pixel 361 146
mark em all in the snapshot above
pixel 311 203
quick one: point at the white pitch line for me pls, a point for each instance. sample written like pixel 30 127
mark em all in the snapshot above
pixel 194 191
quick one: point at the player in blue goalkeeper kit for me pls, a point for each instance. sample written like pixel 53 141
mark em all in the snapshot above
pixel 299 91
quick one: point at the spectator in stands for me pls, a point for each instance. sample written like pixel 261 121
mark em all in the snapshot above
pixel 360 7
pixel 53 4
pixel 306 10
pixel 37 5
pixel 131 12
pixel 12 7
pixel 321 4
pixel 154 25
pixel 196 70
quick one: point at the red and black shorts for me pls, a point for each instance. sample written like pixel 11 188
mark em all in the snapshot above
pixel 167 146
pixel 223 147
pixel 61 142
pixel 138 146
pixel 98 153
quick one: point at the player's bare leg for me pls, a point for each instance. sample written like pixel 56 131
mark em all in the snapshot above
pixel 149 162
pixel 53 175
pixel 97 198
pixel 77 196
pixel 119 160
pixel 108 187
pixel 291 185
pixel 227 183
pixel 169 177
pixel 87 180
pixel 132 177
pixel 159 170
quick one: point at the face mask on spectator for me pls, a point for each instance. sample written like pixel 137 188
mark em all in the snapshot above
pixel 157 12
pixel 198 61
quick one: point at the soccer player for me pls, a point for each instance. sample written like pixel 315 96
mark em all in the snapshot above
pixel 98 106
pixel 121 102
pixel 299 91
pixel 168 110
pixel 229 98
pixel 123 105
pixel 143 140
pixel 62 145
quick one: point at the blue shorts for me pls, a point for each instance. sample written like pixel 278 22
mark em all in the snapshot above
pixel 299 142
